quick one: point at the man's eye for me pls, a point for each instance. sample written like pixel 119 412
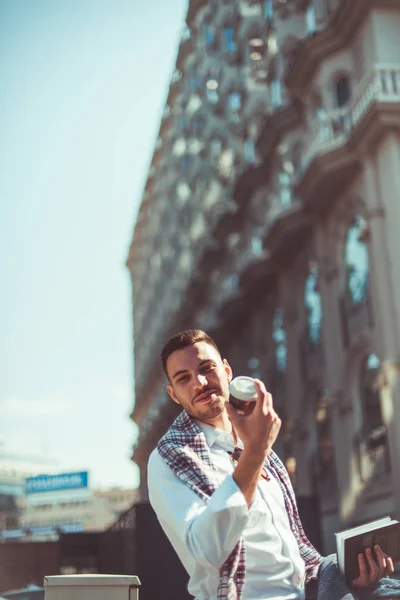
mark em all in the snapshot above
pixel 182 379
pixel 208 368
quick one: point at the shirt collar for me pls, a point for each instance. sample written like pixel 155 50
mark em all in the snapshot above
pixel 217 436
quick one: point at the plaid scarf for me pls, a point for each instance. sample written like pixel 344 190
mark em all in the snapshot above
pixel 185 450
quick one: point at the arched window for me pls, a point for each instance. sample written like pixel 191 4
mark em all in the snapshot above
pixel 370 402
pixel 279 337
pixel 312 299
pixel 357 263
pixel 342 91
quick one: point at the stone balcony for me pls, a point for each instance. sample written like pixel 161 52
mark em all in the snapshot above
pixel 331 146
pixel 335 130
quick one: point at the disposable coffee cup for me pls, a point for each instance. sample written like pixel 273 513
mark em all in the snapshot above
pixel 243 394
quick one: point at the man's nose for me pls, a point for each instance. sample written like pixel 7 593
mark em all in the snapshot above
pixel 200 381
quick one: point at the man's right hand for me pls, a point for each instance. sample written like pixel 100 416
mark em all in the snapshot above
pixel 258 430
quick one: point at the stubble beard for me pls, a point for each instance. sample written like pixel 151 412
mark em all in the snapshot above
pixel 209 411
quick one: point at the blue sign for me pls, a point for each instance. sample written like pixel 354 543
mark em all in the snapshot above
pixel 42 531
pixel 72 528
pixel 56 483
pixel 13 533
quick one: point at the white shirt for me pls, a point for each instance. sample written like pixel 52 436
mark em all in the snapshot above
pixel 204 534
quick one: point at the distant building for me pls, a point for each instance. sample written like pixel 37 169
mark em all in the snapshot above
pixel 64 503
pixel 14 468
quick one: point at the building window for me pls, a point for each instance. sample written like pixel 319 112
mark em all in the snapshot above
pixel 311 21
pixel 195 83
pixel 268 10
pixel 357 263
pixel 342 91
pixel 276 93
pixel 312 299
pixel 209 35
pixel 249 152
pixel 285 189
pixel 212 96
pixel 256 245
pixel 279 337
pixel 228 40
pixel 235 101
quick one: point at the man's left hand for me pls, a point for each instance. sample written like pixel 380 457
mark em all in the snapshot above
pixel 372 569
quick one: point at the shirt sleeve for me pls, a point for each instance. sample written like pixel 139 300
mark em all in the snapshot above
pixel 202 532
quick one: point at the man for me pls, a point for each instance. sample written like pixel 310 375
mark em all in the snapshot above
pixel 225 500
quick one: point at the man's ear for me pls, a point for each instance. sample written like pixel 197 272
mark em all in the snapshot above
pixel 227 368
pixel 171 394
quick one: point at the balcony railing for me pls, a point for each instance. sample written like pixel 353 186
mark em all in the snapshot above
pixel 334 129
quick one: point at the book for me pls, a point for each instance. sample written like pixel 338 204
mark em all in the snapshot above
pixel 349 543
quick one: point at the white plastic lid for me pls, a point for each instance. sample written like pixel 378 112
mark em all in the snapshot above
pixel 243 388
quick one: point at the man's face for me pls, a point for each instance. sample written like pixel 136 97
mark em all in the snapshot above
pixel 199 381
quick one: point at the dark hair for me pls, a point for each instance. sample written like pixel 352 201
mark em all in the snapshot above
pixel 183 340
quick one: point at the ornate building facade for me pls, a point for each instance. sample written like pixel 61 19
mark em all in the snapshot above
pixel 271 219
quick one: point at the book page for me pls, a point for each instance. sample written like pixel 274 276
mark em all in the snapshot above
pixel 364 528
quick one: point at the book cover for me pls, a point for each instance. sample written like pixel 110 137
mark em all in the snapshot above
pixel 387 536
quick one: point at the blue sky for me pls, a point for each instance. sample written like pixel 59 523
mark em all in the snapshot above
pixel 83 84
